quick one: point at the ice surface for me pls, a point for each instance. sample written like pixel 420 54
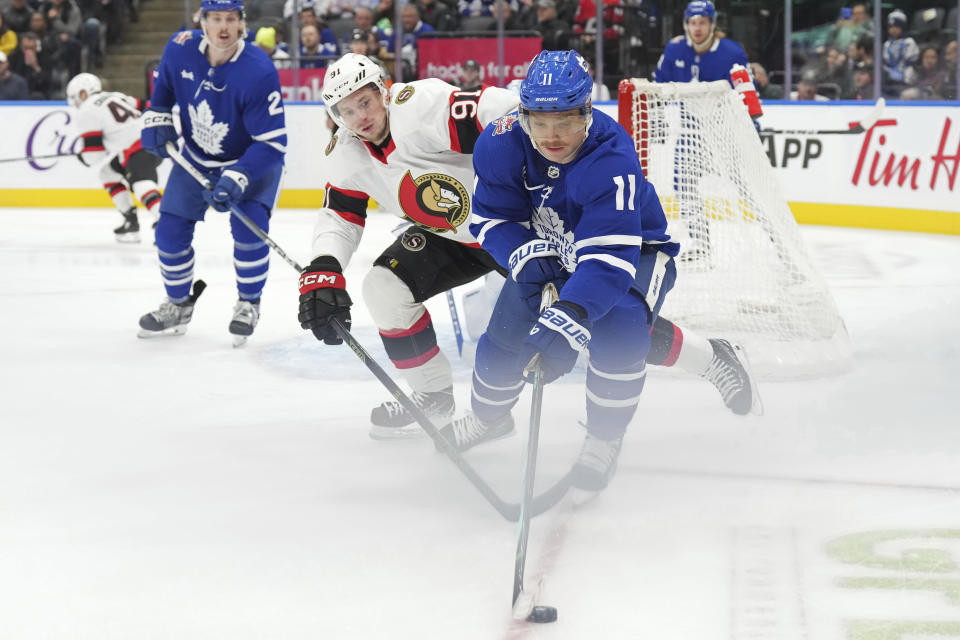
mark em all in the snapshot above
pixel 179 488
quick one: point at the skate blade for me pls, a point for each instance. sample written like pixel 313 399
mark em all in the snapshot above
pixel 410 432
pixel 756 404
pixel 756 408
pixel 128 238
pixel 239 341
pixel 582 497
pixel 173 331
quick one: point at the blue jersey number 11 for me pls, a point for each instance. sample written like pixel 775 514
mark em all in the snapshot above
pixel 618 180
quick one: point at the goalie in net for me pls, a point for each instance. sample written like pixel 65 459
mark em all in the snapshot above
pixel 755 281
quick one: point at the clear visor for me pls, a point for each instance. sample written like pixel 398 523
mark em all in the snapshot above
pixel 543 125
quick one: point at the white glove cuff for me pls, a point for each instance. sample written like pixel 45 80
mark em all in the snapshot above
pixel 238 177
pixel 526 252
pixel 157 119
pixel 557 320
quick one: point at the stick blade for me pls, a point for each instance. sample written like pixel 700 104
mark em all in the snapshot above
pixel 874 114
pixel 523 606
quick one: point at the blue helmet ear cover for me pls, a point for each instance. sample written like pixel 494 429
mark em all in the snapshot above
pixel 557 81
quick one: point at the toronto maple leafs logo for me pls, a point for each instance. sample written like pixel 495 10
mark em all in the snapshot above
pixel 206 133
pixel 549 226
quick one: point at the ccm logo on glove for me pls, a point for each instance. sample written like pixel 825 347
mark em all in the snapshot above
pixel 557 320
pixel 321 280
pixel 157 119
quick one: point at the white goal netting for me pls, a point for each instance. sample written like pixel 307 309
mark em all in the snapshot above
pixel 743 270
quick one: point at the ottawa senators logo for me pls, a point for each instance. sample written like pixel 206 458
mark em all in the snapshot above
pixel 404 95
pixel 331 145
pixel 414 240
pixel 435 201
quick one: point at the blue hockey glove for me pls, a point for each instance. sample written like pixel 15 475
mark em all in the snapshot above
pixel 228 190
pixel 560 334
pixel 157 131
pixel 533 265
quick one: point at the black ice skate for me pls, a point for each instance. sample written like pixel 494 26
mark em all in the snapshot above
pixel 170 319
pixel 469 431
pixel 392 422
pixel 596 464
pixel 246 314
pixel 129 231
pixel 729 372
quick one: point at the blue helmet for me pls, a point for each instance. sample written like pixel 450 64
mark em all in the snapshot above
pixel 703 8
pixel 557 81
pixel 222 5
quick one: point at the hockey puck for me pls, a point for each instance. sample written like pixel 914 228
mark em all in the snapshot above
pixel 543 614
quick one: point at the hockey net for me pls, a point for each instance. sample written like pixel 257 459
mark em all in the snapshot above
pixel 743 270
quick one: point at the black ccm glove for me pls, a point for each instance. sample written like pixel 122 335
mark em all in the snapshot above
pixel 323 296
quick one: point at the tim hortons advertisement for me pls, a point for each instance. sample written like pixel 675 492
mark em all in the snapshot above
pixel 442 57
pixel 909 158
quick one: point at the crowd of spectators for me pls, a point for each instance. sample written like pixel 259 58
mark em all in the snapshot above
pixel 46 42
pixel 836 61
pixel 561 24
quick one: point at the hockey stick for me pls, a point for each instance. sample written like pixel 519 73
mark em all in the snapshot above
pixel 523 603
pixel 455 319
pixel 859 127
pixel 26 158
pixel 510 511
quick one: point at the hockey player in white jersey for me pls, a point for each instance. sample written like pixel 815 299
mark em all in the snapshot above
pixel 409 148
pixel 109 123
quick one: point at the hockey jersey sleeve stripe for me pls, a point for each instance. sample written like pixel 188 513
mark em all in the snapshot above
pixel 270 135
pixel 93 141
pixel 485 225
pixel 349 205
pixel 349 193
pixel 463 122
pixel 619 263
pixel 279 147
pixel 608 241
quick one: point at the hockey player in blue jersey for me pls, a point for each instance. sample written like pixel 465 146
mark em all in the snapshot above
pixel 702 55
pixel 560 197
pixel 232 119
